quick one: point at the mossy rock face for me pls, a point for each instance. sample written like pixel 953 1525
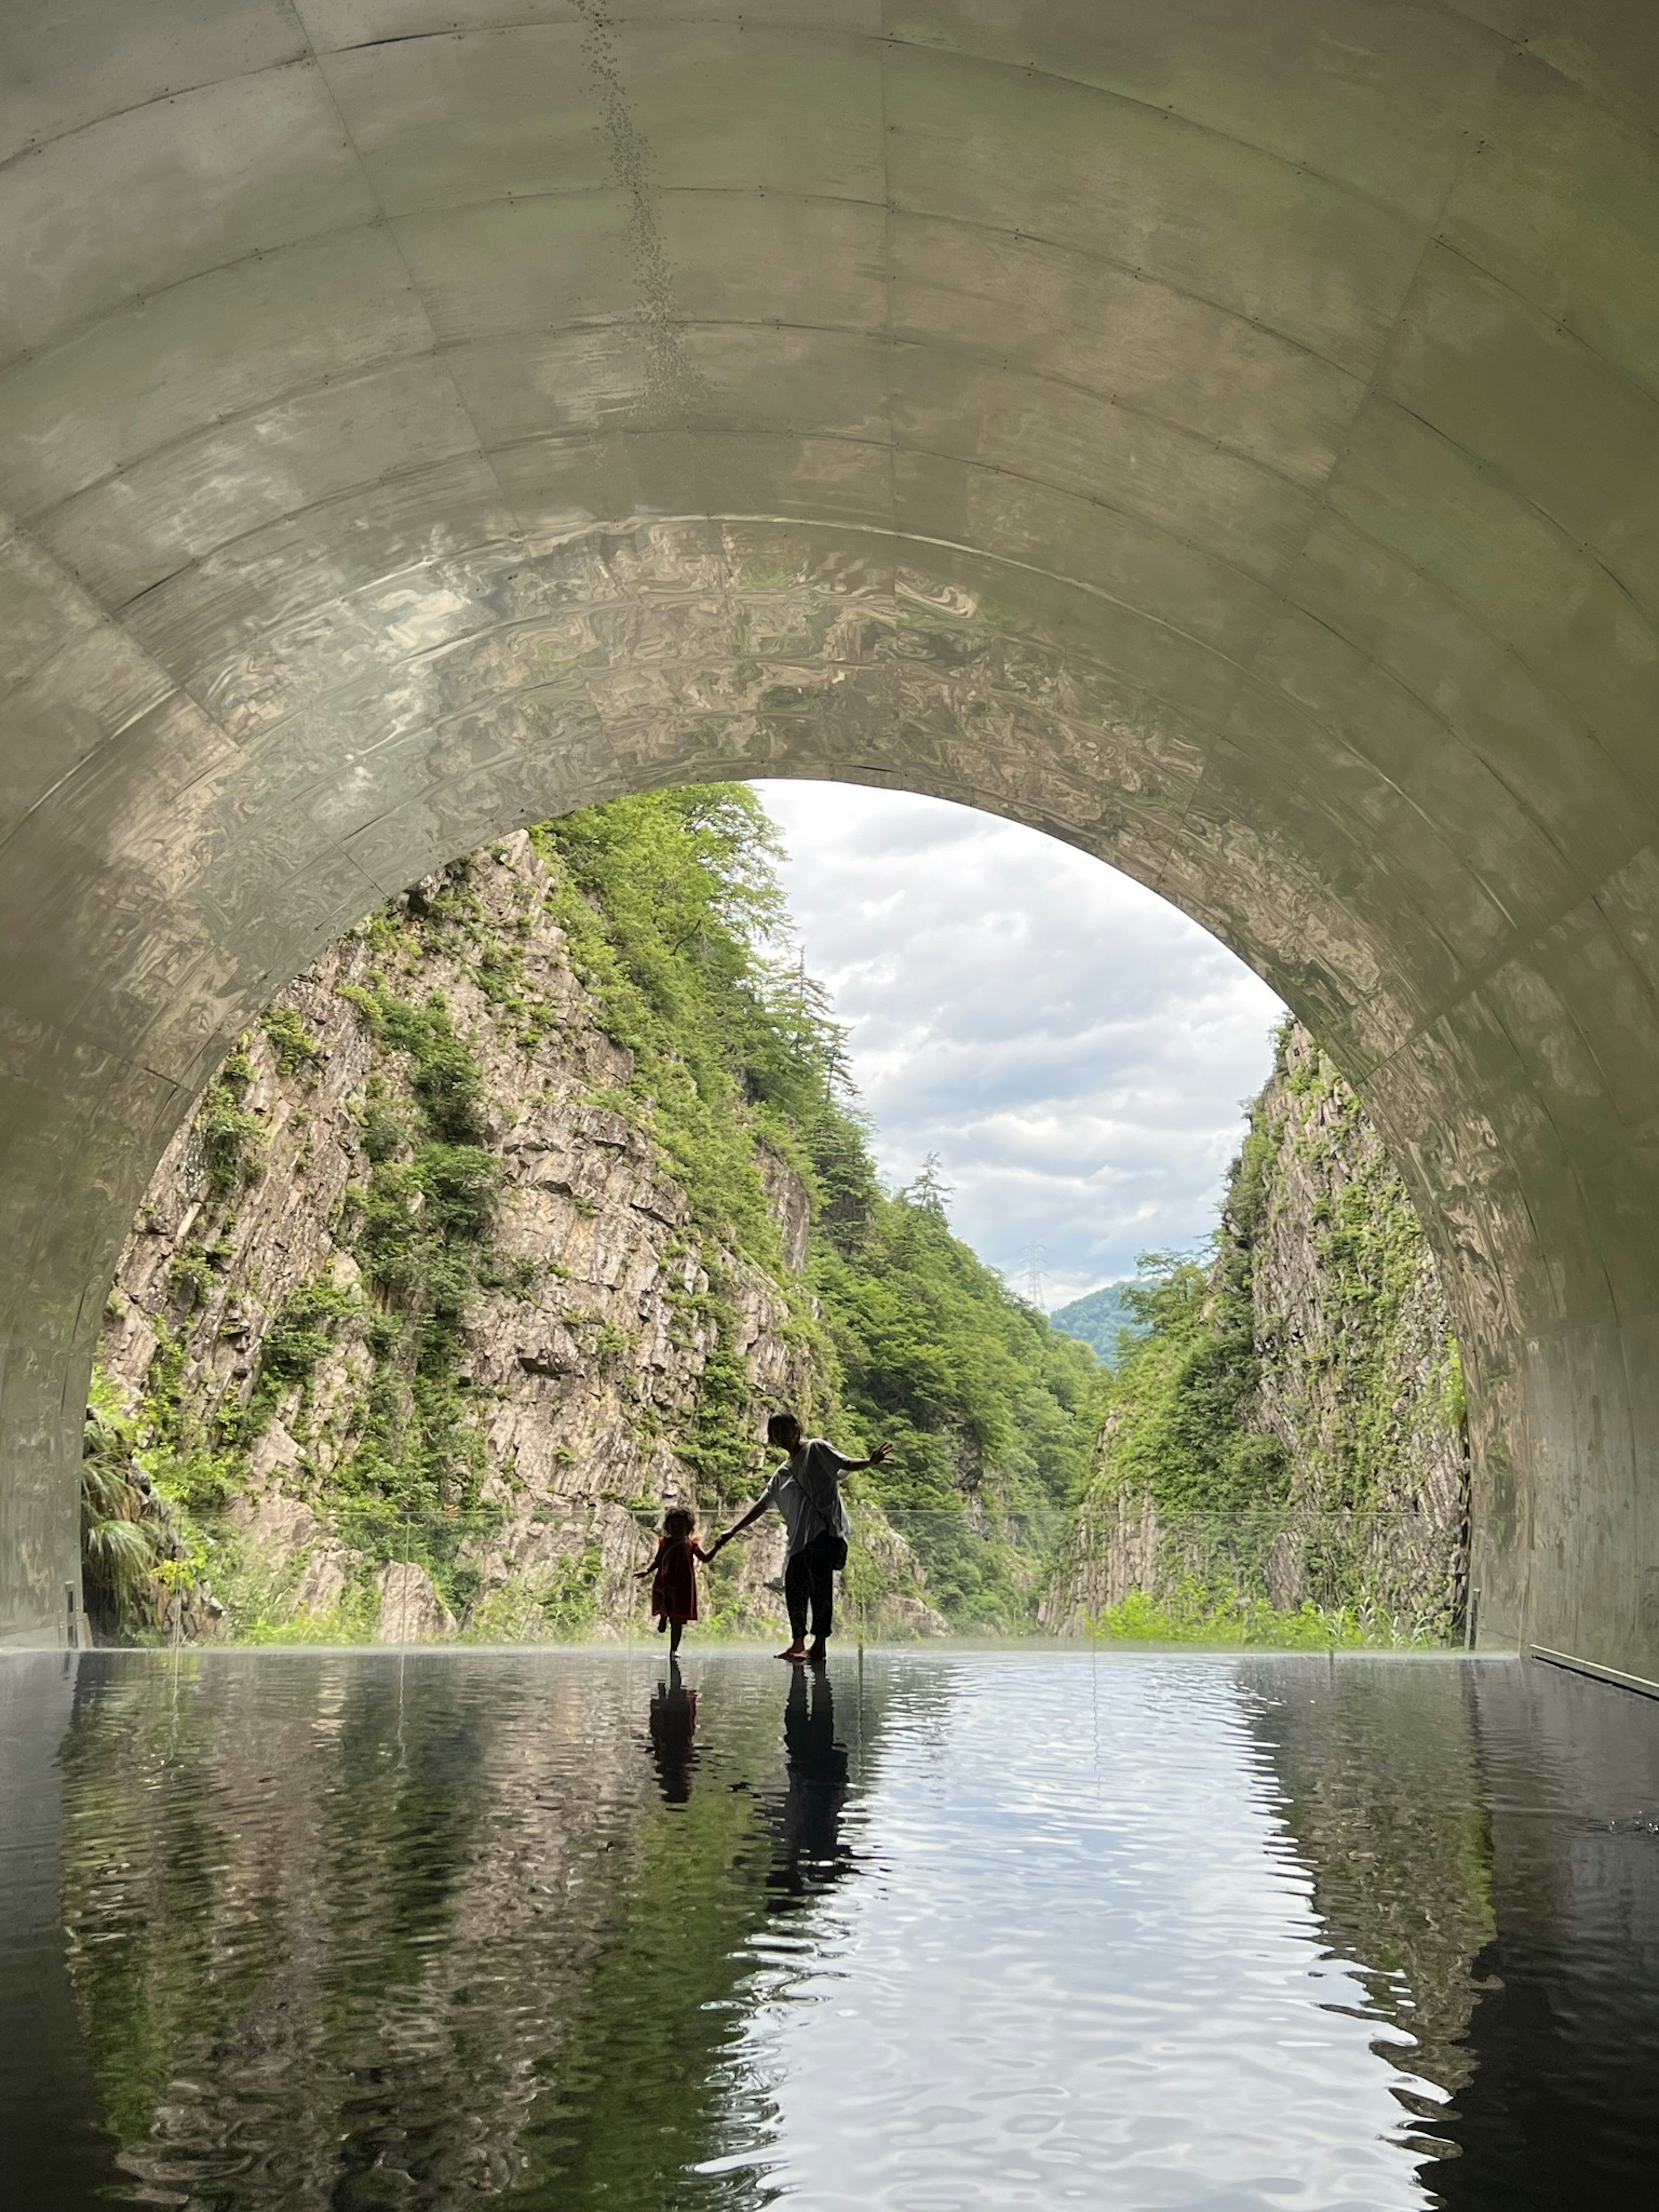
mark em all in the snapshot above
pixel 511 1219
pixel 1285 1455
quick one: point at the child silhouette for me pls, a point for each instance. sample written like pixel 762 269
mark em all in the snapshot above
pixel 674 1574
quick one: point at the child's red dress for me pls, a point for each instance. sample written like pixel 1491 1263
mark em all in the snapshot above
pixel 674 1587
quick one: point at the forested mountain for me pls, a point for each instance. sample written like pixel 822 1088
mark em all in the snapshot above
pixel 505 1225
pixel 1099 1319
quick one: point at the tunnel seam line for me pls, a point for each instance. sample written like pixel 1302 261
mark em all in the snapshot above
pixel 1565 1163
pixel 1481 975
pixel 311 54
pixel 1563 325
pixel 1171 114
pixel 627 525
pixel 1450 729
pixel 409 474
pixel 320 505
pixel 622 19
pixel 415 290
pixel 1505 648
pixel 887 273
pixel 275 402
pixel 1493 469
pixel 72 332
pixel 608 721
pixel 1019 235
pixel 1213 729
pixel 315 54
pixel 385 365
pixel 1478 972
pixel 1344 444
pixel 1110 668
pixel 104 619
pixel 966 462
pixel 30 355
pixel 277 68
pixel 1350 834
pixel 621 604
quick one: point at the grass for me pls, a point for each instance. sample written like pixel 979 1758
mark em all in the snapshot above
pixel 1194 1613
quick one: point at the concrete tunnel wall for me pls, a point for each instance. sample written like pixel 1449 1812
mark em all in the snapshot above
pixel 1224 434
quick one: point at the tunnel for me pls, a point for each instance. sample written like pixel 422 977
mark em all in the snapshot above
pixel 1222 436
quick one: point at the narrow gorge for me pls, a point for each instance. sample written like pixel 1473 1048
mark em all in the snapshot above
pixel 512 1218
pixel 505 1227
pixel 1285 1456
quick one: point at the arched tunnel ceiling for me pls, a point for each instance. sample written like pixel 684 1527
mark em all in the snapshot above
pixel 1223 434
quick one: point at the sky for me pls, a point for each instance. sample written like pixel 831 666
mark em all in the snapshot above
pixel 1075 1051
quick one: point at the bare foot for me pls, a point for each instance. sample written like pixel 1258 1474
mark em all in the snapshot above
pixel 817 1652
pixel 795 1652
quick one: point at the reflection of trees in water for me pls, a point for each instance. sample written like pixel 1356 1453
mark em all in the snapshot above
pixel 647 2084
pixel 287 1888
pixel 1482 1844
pixel 349 1930
pixel 1382 1798
pixel 1561 2108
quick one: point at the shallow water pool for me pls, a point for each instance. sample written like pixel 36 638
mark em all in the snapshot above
pixel 932 1931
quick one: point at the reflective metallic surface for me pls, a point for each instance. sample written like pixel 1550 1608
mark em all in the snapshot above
pixel 944 1928
pixel 1224 436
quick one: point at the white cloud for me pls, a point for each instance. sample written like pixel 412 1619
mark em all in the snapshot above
pixel 1074 1050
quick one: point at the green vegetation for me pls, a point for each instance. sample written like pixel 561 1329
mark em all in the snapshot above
pixel 231 1135
pixel 1179 1415
pixel 120 1544
pixel 420 1231
pixel 658 2006
pixel 1192 1612
pixel 672 911
pixel 293 1043
pixel 1188 1462
pixel 991 1414
pixel 674 918
pixel 735 1080
pixel 1098 1319
pixel 730 1082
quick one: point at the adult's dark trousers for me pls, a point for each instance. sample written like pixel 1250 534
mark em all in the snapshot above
pixel 809 1580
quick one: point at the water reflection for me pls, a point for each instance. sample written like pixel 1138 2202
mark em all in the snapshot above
pixel 1484 1844
pixel 945 1931
pixel 674 1735
pixel 1379 1767
pixel 810 1851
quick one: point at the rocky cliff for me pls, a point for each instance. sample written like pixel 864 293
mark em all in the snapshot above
pixel 503 1229
pixel 417 1327
pixel 1286 1443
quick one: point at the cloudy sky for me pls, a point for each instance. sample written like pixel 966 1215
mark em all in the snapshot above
pixel 1074 1049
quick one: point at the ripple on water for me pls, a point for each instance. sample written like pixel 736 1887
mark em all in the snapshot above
pixel 942 1931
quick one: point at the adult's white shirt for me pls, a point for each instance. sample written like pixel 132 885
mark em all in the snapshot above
pixel 806 1492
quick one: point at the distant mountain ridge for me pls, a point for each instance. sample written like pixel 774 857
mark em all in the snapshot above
pixel 1096 1319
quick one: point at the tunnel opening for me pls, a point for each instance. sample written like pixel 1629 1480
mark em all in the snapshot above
pixel 1236 466
pixel 504 1227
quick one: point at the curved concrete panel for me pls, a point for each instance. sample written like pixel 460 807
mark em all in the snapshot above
pixel 1224 435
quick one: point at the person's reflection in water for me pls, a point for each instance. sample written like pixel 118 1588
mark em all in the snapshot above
pixel 810 1851
pixel 674 1735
